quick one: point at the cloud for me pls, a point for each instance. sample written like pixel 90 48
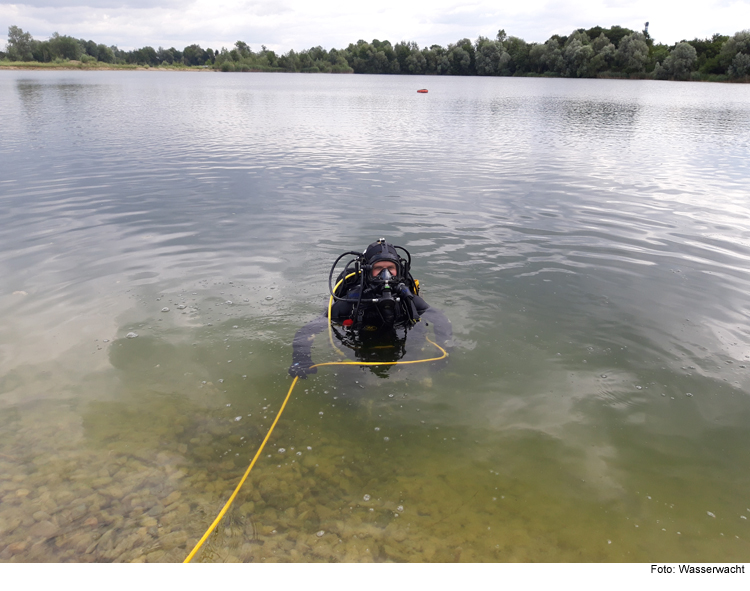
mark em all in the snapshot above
pixel 97 4
pixel 297 24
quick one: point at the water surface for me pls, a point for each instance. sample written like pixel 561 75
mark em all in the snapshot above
pixel 588 239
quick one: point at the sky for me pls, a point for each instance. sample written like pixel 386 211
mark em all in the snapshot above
pixel 282 25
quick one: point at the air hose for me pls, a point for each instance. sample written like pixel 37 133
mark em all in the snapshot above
pixel 228 504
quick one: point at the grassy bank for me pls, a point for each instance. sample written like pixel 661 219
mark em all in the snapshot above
pixel 93 65
pixel 239 67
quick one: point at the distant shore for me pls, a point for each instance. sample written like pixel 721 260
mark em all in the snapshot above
pixel 72 65
pixel 75 65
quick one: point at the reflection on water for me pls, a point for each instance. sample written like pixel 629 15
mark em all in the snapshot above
pixel 588 239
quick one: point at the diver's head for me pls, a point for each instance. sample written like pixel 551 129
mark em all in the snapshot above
pixel 383 261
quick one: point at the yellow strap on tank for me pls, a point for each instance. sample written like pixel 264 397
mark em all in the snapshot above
pixel 276 420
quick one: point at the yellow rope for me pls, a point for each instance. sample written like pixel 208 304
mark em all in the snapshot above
pixel 276 420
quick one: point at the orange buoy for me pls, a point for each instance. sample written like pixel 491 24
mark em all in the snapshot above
pixel 422 90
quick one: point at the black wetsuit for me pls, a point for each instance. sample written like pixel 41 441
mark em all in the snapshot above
pixel 369 330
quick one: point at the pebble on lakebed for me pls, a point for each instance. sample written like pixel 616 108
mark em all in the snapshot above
pixel 152 504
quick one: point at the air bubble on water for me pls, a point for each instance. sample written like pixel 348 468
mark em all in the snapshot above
pixel 320 534
pixel 235 326
pixel 221 380
pixel 390 395
pixel 181 307
pixel 688 394
pixel 244 376
pixel 165 309
pixel 105 340
pixel 639 387
pixel 321 412
pixel 377 428
pixel 366 497
pixel 229 302
pixel 325 391
pixel 269 298
pixel 309 448
pixel 604 375
pixel 386 438
pixel 400 508
pixel 710 514
pixel 238 418
pixel 371 509
pixel 282 450
pixel 299 453
pixel 131 335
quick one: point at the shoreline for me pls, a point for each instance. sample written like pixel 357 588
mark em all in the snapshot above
pixel 80 66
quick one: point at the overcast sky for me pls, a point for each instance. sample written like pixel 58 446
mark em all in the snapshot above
pixel 282 25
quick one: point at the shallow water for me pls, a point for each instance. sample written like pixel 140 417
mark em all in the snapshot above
pixel 588 239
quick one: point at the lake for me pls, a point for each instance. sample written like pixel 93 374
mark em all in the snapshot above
pixel 163 235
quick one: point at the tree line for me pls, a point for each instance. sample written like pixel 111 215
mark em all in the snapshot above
pixel 585 53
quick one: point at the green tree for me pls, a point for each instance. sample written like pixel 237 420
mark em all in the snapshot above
pixel 289 61
pixel 736 51
pixel 616 34
pixel 491 57
pixel 462 58
pixel 65 47
pixel 604 54
pixel 547 57
pixel 90 48
pixel 709 54
pixel 679 64
pixel 194 55
pixel 577 55
pixel 243 49
pixel 433 57
pixel 105 54
pixel 740 66
pixel 632 53
pixel 19 45
pixel 518 50
pixel 658 52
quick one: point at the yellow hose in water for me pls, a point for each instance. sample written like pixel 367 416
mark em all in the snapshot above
pixel 276 420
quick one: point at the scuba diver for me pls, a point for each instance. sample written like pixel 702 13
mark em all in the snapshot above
pixel 374 304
